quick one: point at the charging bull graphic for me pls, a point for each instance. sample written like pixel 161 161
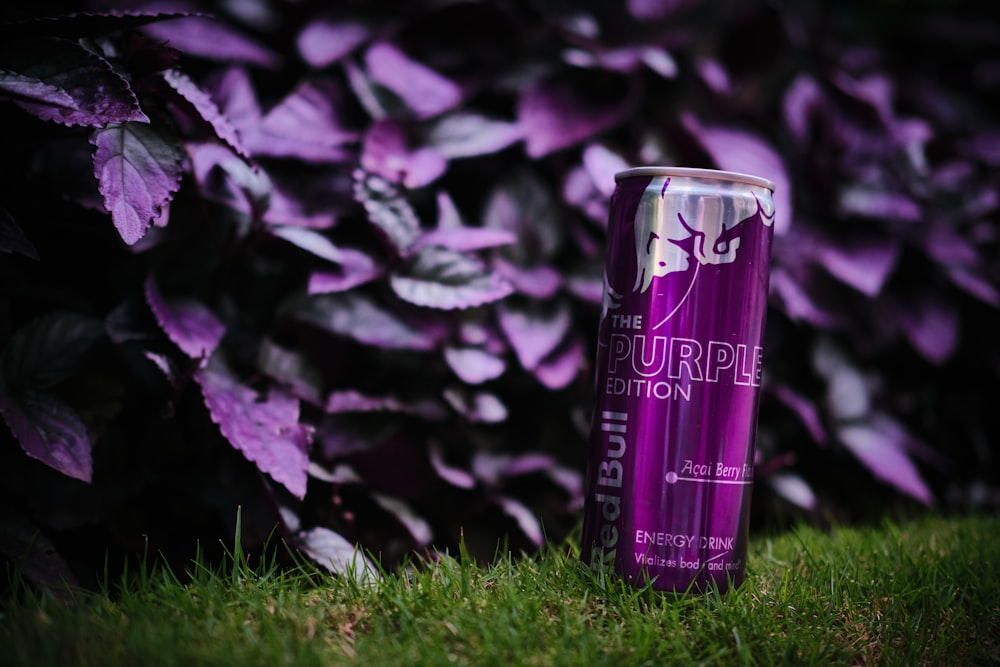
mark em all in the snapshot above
pixel 678 232
pixel 669 232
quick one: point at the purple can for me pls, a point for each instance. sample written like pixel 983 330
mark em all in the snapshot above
pixel 677 377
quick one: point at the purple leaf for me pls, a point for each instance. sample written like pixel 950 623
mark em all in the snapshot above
pixel 464 239
pixel 880 449
pixel 206 108
pixel 563 366
pixel 474 365
pixel 355 261
pixel 316 199
pixel 213 39
pixel 226 178
pixel 307 125
pixel 335 554
pixel 326 282
pixel 465 134
pixel 138 170
pixel 975 284
pixel 188 323
pixel 714 74
pixel 601 164
pixel 293 370
pixel 534 329
pixel 358 317
pixel 745 152
pixel 802 98
pixel 555 115
pixel 12 238
pixel 441 278
pixel 523 205
pixel 624 59
pixel 454 476
pixel 796 300
pixel 265 429
pixel 804 409
pixel 70 85
pixel 524 517
pixel 417 527
pixel 325 41
pixel 386 153
pixel 476 406
pixel 492 468
pixel 233 91
pixel 425 92
pixel 931 326
pixel 848 395
pixel 876 203
pixel 538 282
pixel 453 234
pixel 353 401
pixel 657 9
pixel 864 264
pixel 50 431
pixel 793 488
pixel 587 285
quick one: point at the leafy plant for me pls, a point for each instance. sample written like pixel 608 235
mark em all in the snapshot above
pixel 343 266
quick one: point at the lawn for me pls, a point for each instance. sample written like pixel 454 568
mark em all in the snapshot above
pixel 924 591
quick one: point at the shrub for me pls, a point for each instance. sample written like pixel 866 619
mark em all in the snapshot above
pixel 342 266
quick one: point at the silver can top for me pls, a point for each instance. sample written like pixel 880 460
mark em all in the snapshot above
pixel 692 172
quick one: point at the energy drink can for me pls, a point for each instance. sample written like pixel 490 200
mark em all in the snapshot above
pixel 677 377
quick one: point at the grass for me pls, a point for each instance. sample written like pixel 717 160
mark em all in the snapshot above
pixel 921 592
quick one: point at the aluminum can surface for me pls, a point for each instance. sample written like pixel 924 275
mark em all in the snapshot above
pixel 677 377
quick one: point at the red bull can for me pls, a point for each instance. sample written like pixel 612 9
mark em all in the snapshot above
pixel 678 376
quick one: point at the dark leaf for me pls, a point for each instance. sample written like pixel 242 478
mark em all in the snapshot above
pixel 61 81
pixel 35 556
pixel 47 350
pixel 12 238
pixel 49 430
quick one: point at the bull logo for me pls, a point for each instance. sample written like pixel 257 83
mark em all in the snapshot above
pixel 670 232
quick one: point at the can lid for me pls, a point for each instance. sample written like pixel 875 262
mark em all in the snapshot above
pixel 693 172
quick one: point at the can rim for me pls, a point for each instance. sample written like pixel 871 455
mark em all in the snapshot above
pixel 696 172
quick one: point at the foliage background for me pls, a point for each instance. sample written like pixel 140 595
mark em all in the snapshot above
pixel 340 265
